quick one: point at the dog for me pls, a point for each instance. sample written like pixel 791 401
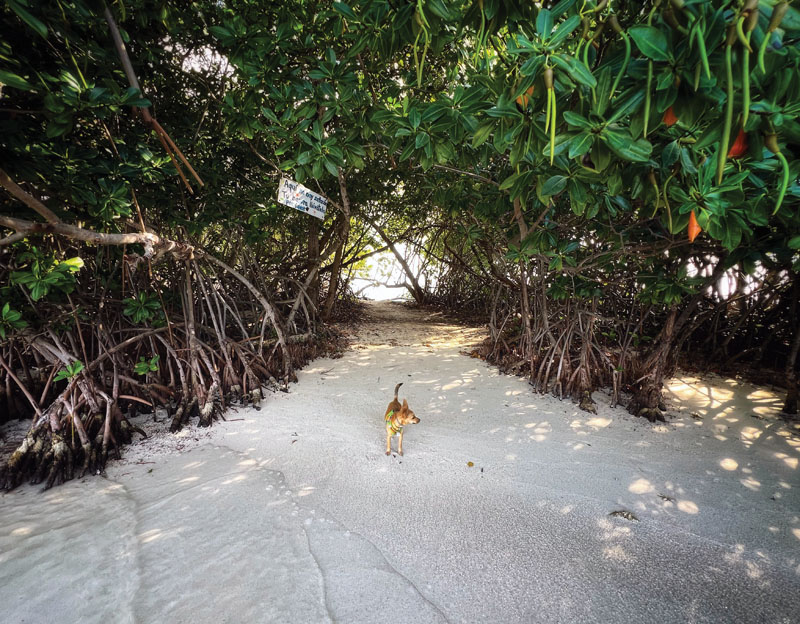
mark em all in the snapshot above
pixel 397 416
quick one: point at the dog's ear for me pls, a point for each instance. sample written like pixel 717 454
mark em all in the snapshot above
pixel 405 405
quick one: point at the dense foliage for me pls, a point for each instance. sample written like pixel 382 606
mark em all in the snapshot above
pixel 611 183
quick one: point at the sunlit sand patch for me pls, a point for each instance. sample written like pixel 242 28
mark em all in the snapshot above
pixel 688 507
pixel 240 477
pixel 115 487
pixel 751 484
pixel 762 394
pixel 640 486
pixel 750 433
pixel 616 553
pixel 150 536
pixel 729 464
pixel 794 443
pixel 753 570
pixel 792 462
pixel 543 427
pixel 724 398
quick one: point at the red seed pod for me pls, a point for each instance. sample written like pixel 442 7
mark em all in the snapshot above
pixel 522 100
pixel 739 147
pixel 694 227
pixel 669 118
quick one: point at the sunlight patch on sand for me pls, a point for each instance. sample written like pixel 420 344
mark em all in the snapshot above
pixel 640 486
pixel 688 507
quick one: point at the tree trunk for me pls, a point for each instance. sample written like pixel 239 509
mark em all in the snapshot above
pixel 523 277
pixel 313 261
pixel 412 284
pixel 660 362
pixel 790 405
pixel 336 268
pixel 647 398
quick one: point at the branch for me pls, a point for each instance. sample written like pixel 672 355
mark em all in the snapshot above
pixel 27 199
pixel 163 137
pixel 155 246
pixel 13 238
pixel 125 59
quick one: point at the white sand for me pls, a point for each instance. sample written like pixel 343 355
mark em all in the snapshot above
pixel 294 514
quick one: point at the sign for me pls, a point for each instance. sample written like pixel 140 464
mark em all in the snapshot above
pixel 297 196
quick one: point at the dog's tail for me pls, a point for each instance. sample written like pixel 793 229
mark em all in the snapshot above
pixel 396 388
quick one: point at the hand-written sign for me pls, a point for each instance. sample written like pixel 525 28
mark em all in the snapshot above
pixel 297 196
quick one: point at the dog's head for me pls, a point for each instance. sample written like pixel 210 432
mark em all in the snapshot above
pixel 406 416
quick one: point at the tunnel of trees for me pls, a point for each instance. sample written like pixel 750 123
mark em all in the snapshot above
pixel 610 185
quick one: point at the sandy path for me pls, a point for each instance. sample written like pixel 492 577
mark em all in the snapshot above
pixel 294 514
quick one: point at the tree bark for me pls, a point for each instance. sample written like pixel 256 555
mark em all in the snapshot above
pixel 790 404
pixel 313 261
pixel 661 360
pixel 336 268
pixel 523 277
pixel 412 284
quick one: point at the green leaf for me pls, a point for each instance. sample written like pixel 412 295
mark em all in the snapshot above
pixel 554 185
pixel 581 144
pixel 563 31
pixel 544 23
pixel 73 264
pixel 670 154
pixel 532 66
pixel 794 243
pixel 221 33
pixel 344 9
pixel 509 181
pixel 573 119
pixel 576 70
pixel 331 167
pixel 627 103
pixel 29 19
pixel 439 8
pixel 651 41
pixel 17 82
pixel 482 133
pixel 562 7
pixel 316 130
pixel 623 146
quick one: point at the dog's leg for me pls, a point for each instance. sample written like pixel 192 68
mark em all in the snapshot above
pixel 388 443
pixel 400 443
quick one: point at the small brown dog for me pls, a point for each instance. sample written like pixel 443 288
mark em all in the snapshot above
pixel 397 416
